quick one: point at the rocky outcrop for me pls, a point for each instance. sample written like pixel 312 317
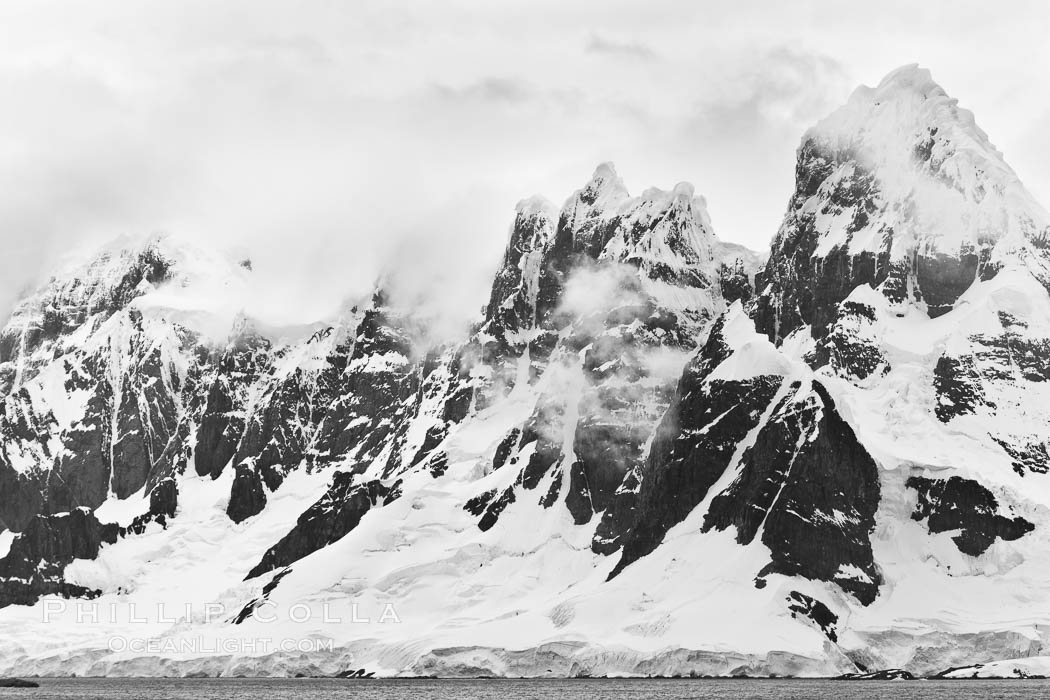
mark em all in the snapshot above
pixel 82 473
pixel 957 504
pixel 223 421
pixel 380 376
pixel 852 345
pixel 627 284
pixel 811 490
pixel 808 607
pixel 898 190
pixel 25 437
pixel 146 414
pixel 163 504
pixel 247 495
pixel 889 674
pixel 801 478
pixel 33 567
pixel 65 303
pixel 958 387
pixel 802 282
pixel 693 446
pixel 512 306
pixel 328 520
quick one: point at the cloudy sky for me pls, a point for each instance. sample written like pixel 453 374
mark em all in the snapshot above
pixel 331 138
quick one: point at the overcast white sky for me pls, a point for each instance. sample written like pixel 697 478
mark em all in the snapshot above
pixel 332 137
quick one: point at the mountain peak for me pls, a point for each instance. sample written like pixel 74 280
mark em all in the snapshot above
pixel 901 182
pixel 537 205
pixel 911 76
pixel 906 115
pixel 605 171
pixel 605 190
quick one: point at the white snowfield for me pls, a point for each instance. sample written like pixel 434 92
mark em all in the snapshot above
pixel 418 589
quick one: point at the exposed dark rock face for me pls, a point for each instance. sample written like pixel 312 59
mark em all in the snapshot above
pixel 806 278
pixel 328 520
pixel 1013 354
pixel 146 415
pixel 512 316
pixel 163 502
pixel 811 608
pixel 1011 357
pixel 578 500
pixel 693 446
pixel 23 434
pixel 735 282
pixel 504 449
pixel 64 305
pixel 613 360
pixel 274 442
pixel 492 512
pixel 218 433
pixel 812 489
pixel 445 397
pixel 223 422
pixel 254 604
pixel 276 433
pixel 247 496
pixel 944 278
pixel 852 343
pixel 242 406
pixel 609 355
pixel 177 454
pixel 958 387
pixel 583 231
pixel 616 406
pixel 33 567
pixel 21 497
pixel 801 287
pixel 164 499
pixel 543 429
pixel 512 305
pixel 621 403
pixel 889 674
pixel 478 504
pixel 962 504
pixel 437 465
pixel 379 378
pixel 1026 456
pixel 81 476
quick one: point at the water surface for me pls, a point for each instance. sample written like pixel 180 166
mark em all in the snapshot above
pixel 616 689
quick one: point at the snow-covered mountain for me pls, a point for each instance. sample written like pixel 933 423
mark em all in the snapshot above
pixel 655 453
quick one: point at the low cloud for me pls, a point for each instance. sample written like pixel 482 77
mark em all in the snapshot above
pixel 627 49
pixel 493 89
pixel 599 288
pixel 782 89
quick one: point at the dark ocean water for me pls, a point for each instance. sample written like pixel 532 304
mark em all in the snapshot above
pixel 324 689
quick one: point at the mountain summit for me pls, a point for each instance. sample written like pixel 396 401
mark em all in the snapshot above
pixel 898 189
